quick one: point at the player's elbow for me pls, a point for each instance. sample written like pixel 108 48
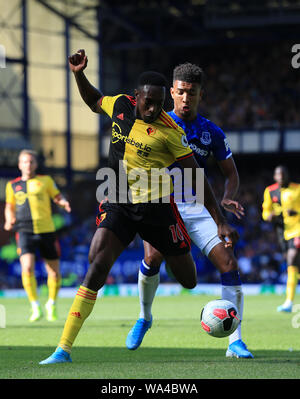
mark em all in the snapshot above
pixel 94 107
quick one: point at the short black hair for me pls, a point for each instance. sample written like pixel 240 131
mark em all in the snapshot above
pixel 152 78
pixel 189 73
pixel 283 168
pixel 29 152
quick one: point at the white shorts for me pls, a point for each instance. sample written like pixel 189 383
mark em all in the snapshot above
pixel 200 225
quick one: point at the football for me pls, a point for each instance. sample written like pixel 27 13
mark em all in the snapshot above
pixel 219 318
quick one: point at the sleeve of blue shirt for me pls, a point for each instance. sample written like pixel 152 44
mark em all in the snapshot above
pixel 220 146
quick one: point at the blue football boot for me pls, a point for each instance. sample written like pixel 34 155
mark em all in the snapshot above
pixel 136 334
pixel 284 308
pixel 238 349
pixel 59 356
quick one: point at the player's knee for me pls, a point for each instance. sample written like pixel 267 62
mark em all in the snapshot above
pixel 189 284
pixel 188 281
pixel 229 265
pixel 90 258
pixel 97 273
pixel 291 256
pixel 153 260
pixel 95 278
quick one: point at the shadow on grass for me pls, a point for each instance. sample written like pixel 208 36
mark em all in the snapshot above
pixel 119 355
pixel 105 324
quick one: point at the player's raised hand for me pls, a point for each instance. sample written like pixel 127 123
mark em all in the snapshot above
pixel 78 61
pixel 233 206
pixel 228 235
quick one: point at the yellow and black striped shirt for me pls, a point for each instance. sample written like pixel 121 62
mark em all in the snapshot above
pixel 32 202
pixel 280 201
pixel 144 149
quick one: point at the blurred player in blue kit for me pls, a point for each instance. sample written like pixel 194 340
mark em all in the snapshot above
pixel 204 138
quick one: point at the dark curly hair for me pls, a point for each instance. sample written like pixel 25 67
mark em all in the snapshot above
pixel 152 78
pixel 188 72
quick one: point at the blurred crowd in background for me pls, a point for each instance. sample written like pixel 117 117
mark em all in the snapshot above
pixel 259 257
pixel 239 92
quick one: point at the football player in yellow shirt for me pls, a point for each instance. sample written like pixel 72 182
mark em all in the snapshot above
pixel 28 213
pixel 281 207
pixel 145 138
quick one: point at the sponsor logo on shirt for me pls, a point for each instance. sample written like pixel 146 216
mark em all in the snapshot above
pixel 20 197
pixel 198 150
pixel 118 136
pixel 184 141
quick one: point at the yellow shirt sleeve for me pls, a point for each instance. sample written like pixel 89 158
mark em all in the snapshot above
pixel 52 187
pixel 177 143
pixel 267 206
pixel 107 104
pixel 297 205
pixel 9 194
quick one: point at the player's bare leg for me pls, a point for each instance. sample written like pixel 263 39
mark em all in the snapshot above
pixel 223 259
pixel 148 281
pixel 104 251
pixel 184 269
pixel 293 262
pixel 54 283
pixel 30 285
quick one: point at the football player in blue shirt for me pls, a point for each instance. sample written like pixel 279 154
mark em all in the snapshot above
pixel 204 138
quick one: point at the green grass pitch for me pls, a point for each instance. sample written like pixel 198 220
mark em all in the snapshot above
pixel 174 348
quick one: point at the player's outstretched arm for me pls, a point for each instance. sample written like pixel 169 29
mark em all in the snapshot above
pixel 231 187
pixel 226 233
pixel 62 202
pixel 89 94
pixel 10 216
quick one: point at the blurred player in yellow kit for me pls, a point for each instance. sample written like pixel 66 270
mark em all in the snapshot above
pixel 281 206
pixel 28 213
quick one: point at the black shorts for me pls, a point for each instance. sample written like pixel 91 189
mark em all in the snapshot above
pixel 46 243
pixel 292 243
pixel 159 224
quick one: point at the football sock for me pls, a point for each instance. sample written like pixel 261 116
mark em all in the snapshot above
pixel 30 286
pixel 81 308
pixel 291 284
pixel 53 288
pixel 148 281
pixel 232 291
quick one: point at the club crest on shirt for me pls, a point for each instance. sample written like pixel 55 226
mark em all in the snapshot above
pixel 151 131
pixel 205 138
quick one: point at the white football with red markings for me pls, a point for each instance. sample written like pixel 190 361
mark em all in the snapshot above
pixel 219 318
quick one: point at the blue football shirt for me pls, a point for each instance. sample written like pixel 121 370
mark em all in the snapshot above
pixel 204 138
